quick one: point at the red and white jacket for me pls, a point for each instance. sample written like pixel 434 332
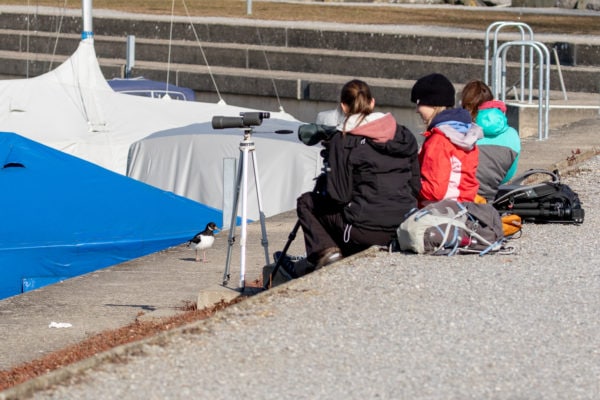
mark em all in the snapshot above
pixel 449 158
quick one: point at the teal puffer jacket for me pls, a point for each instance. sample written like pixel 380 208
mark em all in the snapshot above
pixel 499 151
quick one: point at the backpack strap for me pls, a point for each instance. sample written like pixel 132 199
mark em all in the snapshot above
pixel 450 234
pixel 519 180
pixel 454 228
pixel 519 190
pixel 445 242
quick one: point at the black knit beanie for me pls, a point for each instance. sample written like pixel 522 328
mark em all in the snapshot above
pixel 433 90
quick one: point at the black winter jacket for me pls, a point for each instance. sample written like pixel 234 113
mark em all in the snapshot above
pixel 374 173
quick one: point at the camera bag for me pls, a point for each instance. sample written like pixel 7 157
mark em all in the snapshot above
pixel 547 201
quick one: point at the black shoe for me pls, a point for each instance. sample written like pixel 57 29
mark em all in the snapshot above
pixel 277 254
pixel 328 256
pixel 303 267
pixel 287 264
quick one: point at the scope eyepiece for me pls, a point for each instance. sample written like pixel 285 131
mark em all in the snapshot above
pixel 256 114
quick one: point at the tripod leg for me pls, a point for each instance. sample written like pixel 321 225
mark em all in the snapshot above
pixel 264 241
pixel 291 238
pixel 232 225
pixel 244 229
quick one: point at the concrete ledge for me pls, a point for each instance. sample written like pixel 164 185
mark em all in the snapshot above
pixel 216 294
pixel 30 387
pixel 279 278
pixel 525 117
pixel 158 315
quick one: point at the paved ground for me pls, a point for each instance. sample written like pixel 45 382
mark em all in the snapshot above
pixel 394 327
pixel 376 325
pixel 510 326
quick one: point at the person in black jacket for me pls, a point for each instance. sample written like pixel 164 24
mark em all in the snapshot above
pixel 372 182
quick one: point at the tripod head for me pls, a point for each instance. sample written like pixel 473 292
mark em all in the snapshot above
pixel 245 120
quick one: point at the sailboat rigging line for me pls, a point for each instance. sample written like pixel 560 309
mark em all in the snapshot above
pixel 60 21
pixel 170 41
pixel 269 68
pixel 212 78
pixel 27 41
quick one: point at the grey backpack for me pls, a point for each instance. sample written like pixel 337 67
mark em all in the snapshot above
pixel 449 227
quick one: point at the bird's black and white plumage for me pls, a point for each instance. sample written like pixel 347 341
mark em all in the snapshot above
pixel 203 240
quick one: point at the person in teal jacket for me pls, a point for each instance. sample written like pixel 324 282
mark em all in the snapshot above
pixel 500 146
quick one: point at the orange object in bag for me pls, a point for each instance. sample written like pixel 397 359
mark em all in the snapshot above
pixel 479 199
pixel 511 224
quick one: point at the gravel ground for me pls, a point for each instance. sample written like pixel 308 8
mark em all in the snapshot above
pixel 521 326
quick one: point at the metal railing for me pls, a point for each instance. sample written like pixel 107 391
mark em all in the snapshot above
pixel 498 70
pixel 523 28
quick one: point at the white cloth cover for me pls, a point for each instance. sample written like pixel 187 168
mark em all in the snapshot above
pixel 74 110
pixel 189 161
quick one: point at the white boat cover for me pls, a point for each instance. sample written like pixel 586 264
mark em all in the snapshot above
pixel 190 161
pixel 73 109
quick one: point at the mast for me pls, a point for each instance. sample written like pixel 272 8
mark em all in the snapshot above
pixel 88 32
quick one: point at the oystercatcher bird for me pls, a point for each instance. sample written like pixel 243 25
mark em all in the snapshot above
pixel 203 240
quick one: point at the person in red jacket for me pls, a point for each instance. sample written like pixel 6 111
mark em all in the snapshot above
pixel 449 155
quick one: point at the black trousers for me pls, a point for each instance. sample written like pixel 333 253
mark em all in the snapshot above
pixel 323 225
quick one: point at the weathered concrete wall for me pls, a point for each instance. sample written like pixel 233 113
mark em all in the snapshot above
pixel 304 65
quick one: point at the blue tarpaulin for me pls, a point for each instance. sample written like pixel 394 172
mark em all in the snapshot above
pixel 63 216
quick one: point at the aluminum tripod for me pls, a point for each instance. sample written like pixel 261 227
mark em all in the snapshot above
pixel 247 148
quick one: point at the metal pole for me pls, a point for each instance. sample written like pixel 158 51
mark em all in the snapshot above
pixel 232 225
pixel 499 25
pixel 249 7
pixel 130 56
pixel 543 85
pixel 264 240
pixel 247 145
pixel 543 47
pixel 560 76
pixel 229 191
pixel 88 31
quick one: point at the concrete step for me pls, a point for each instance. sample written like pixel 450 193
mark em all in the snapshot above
pixel 293 59
pixel 295 85
pixel 523 115
pixel 416 40
pixel 565 108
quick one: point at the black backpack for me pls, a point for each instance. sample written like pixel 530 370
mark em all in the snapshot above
pixel 547 201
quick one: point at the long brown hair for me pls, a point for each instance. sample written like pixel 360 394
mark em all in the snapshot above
pixel 474 94
pixel 356 95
